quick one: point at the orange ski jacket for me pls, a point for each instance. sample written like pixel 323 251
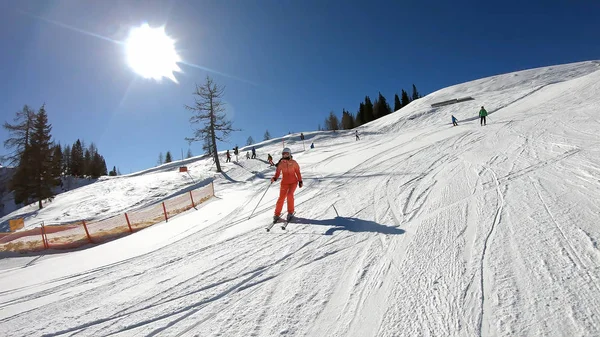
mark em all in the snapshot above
pixel 290 171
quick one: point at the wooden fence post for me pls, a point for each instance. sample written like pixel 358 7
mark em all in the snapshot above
pixel 128 223
pixel 86 232
pixel 165 210
pixel 192 198
pixel 212 186
pixel 44 238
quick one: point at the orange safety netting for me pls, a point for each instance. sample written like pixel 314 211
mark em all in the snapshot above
pixel 77 234
pixel 146 217
pixel 28 240
pixel 107 229
pixel 65 236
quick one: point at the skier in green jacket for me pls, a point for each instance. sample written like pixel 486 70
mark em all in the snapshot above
pixel 482 114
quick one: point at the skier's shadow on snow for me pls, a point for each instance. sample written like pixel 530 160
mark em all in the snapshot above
pixel 341 223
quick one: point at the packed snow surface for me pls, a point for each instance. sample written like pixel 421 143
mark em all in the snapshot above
pixel 417 229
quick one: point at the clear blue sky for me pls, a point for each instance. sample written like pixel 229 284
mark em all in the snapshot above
pixel 298 60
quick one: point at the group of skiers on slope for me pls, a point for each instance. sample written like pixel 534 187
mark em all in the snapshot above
pixel 236 151
pixel 289 170
pixel 482 114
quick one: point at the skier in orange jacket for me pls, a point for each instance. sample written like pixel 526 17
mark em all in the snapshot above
pixel 290 170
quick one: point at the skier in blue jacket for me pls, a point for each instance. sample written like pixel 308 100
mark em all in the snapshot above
pixel 454 121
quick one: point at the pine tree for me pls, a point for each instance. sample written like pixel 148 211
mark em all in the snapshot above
pixel 209 111
pixel 41 159
pixel 21 182
pixel 113 172
pixel 57 161
pixel 20 135
pixel 97 166
pixel 77 161
pixel 104 168
pixel 20 140
pixel 161 159
pixel 87 163
pixel 347 120
pixel 267 135
pixel 368 114
pixel 93 149
pixel 168 157
pixel 66 156
pixel 332 122
pixel 189 153
pixel 360 115
pixel 405 99
pixel 397 103
pixel 249 141
pixel 415 93
pixel 381 107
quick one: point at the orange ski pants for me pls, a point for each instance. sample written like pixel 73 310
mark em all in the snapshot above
pixel 286 190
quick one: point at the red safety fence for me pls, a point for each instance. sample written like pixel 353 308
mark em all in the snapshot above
pixel 73 235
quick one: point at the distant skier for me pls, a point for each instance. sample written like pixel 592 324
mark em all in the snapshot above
pixel 247 154
pixel 270 159
pixel 301 136
pixel 454 121
pixel 482 114
pixel 236 152
pixel 312 145
pixel 356 134
pixel 290 170
pixel 228 157
pixel 253 153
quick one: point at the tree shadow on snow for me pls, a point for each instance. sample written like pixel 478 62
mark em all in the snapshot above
pixel 228 178
pixel 350 224
pixel 256 174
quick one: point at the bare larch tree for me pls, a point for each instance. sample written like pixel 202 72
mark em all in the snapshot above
pixel 209 117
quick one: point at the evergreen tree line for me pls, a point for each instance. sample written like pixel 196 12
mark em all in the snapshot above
pixel 39 162
pixel 79 161
pixel 169 157
pixel 369 111
pixel 266 136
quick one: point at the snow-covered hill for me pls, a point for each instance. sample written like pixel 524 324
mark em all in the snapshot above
pixel 418 229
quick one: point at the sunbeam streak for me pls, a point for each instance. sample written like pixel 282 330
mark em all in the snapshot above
pixel 218 73
pixel 75 29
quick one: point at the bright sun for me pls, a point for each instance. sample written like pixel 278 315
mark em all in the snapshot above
pixel 151 53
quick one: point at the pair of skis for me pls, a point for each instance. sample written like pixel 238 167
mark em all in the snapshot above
pixel 284 222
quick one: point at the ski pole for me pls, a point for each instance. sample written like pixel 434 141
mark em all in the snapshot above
pixel 261 198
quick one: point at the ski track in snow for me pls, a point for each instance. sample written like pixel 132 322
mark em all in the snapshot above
pixel 418 229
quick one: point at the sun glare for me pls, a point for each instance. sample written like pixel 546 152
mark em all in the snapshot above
pixel 151 53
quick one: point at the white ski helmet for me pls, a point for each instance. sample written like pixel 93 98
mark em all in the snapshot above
pixel 287 149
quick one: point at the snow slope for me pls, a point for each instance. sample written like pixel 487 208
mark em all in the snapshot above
pixel 418 229
pixel 109 196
